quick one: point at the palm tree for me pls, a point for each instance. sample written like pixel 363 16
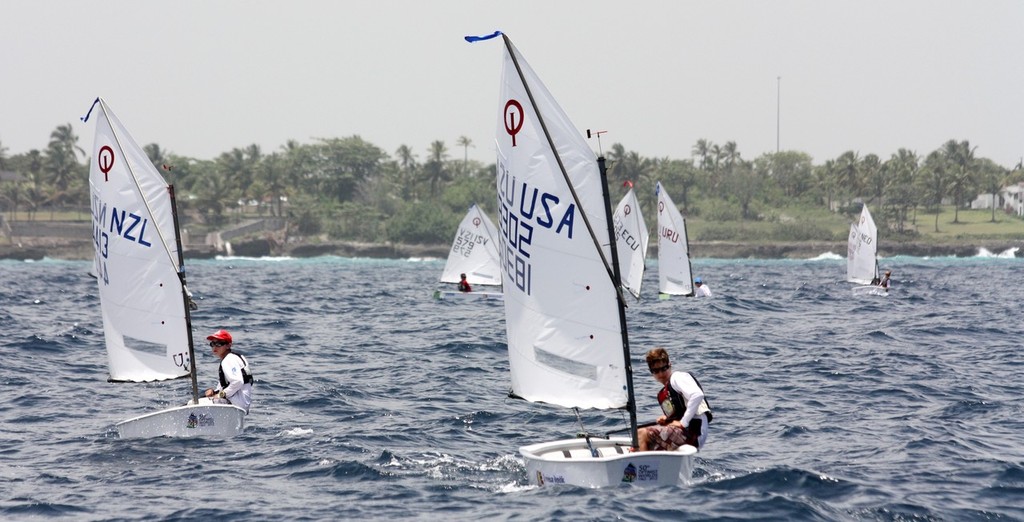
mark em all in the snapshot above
pixel 406 172
pixel 848 170
pixel 901 172
pixel 62 162
pixel 155 154
pixel 271 176
pixel 934 182
pixel 435 170
pixel 960 156
pixel 730 153
pixel 702 151
pixel 873 176
pixel 616 163
pixel 465 143
pixel 827 178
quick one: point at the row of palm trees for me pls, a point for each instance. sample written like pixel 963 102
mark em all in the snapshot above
pixel 349 188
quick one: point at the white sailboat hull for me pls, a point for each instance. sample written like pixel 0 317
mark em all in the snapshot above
pixel 570 462
pixel 471 296
pixel 205 419
pixel 869 290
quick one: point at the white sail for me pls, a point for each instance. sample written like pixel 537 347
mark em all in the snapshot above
pixel 564 332
pixel 674 273
pixel 861 255
pixel 136 259
pixel 474 251
pixel 633 238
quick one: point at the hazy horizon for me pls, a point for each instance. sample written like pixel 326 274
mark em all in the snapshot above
pixel 200 78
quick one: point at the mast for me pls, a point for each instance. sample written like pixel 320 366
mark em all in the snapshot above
pixel 620 302
pixel 185 297
pixel 689 264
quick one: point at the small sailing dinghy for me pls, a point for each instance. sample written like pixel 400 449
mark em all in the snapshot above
pixel 143 297
pixel 564 309
pixel 633 238
pixel 862 255
pixel 675 275
pixel 474 253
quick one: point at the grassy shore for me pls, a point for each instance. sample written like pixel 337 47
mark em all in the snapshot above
pixel 971 231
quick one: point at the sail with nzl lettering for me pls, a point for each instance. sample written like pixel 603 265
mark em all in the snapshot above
pixel 136 259
pixel 140 271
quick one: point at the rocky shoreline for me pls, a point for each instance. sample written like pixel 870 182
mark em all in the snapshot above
pixel 54 248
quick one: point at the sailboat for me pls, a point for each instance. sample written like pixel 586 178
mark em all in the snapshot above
pixel 862 253
pixel 675 275
pixel 474 253
pixel 564 308
pixel 144 300
pixel 633 238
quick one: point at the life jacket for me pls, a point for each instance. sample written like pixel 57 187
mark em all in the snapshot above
pixel 246 372
pixel 674 406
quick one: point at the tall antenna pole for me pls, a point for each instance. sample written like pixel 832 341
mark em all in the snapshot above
pixel 778 111
pixel 597 134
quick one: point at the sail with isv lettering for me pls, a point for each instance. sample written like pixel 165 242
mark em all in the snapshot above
pixel 474 252
pixel 140 273
pixel 568 344
pixel 633 238
pixel 675 276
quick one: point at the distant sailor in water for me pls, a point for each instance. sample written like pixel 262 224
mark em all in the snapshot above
pixel 884 282
pixel 463 284
pixel 235 376
pixel 686 411
pixel 700 289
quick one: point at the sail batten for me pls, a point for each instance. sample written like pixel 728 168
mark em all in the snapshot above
pixel 561 302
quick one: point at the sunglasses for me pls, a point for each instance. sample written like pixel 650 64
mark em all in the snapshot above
pixel 215 344
pixel 660 368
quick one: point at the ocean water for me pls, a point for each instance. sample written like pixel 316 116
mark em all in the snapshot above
pixel 376 402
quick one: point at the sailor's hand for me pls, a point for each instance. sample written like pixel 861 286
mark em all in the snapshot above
pixel 661 420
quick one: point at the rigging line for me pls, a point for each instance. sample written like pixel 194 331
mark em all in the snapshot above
pixel 135 180
pixel 565 175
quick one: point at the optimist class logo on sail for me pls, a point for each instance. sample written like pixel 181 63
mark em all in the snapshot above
pixel 523 207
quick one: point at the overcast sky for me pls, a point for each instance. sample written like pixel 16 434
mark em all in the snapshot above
pixel 200 77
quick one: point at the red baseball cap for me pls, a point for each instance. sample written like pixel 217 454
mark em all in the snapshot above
pixel 219 335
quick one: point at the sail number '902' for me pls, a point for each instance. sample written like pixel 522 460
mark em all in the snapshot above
pixel 522 210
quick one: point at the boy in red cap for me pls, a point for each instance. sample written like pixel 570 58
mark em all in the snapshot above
pixel 235 376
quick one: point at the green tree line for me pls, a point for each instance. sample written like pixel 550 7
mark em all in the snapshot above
pixel 350 189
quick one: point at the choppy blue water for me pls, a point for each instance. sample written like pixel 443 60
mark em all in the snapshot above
pixel 376 402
